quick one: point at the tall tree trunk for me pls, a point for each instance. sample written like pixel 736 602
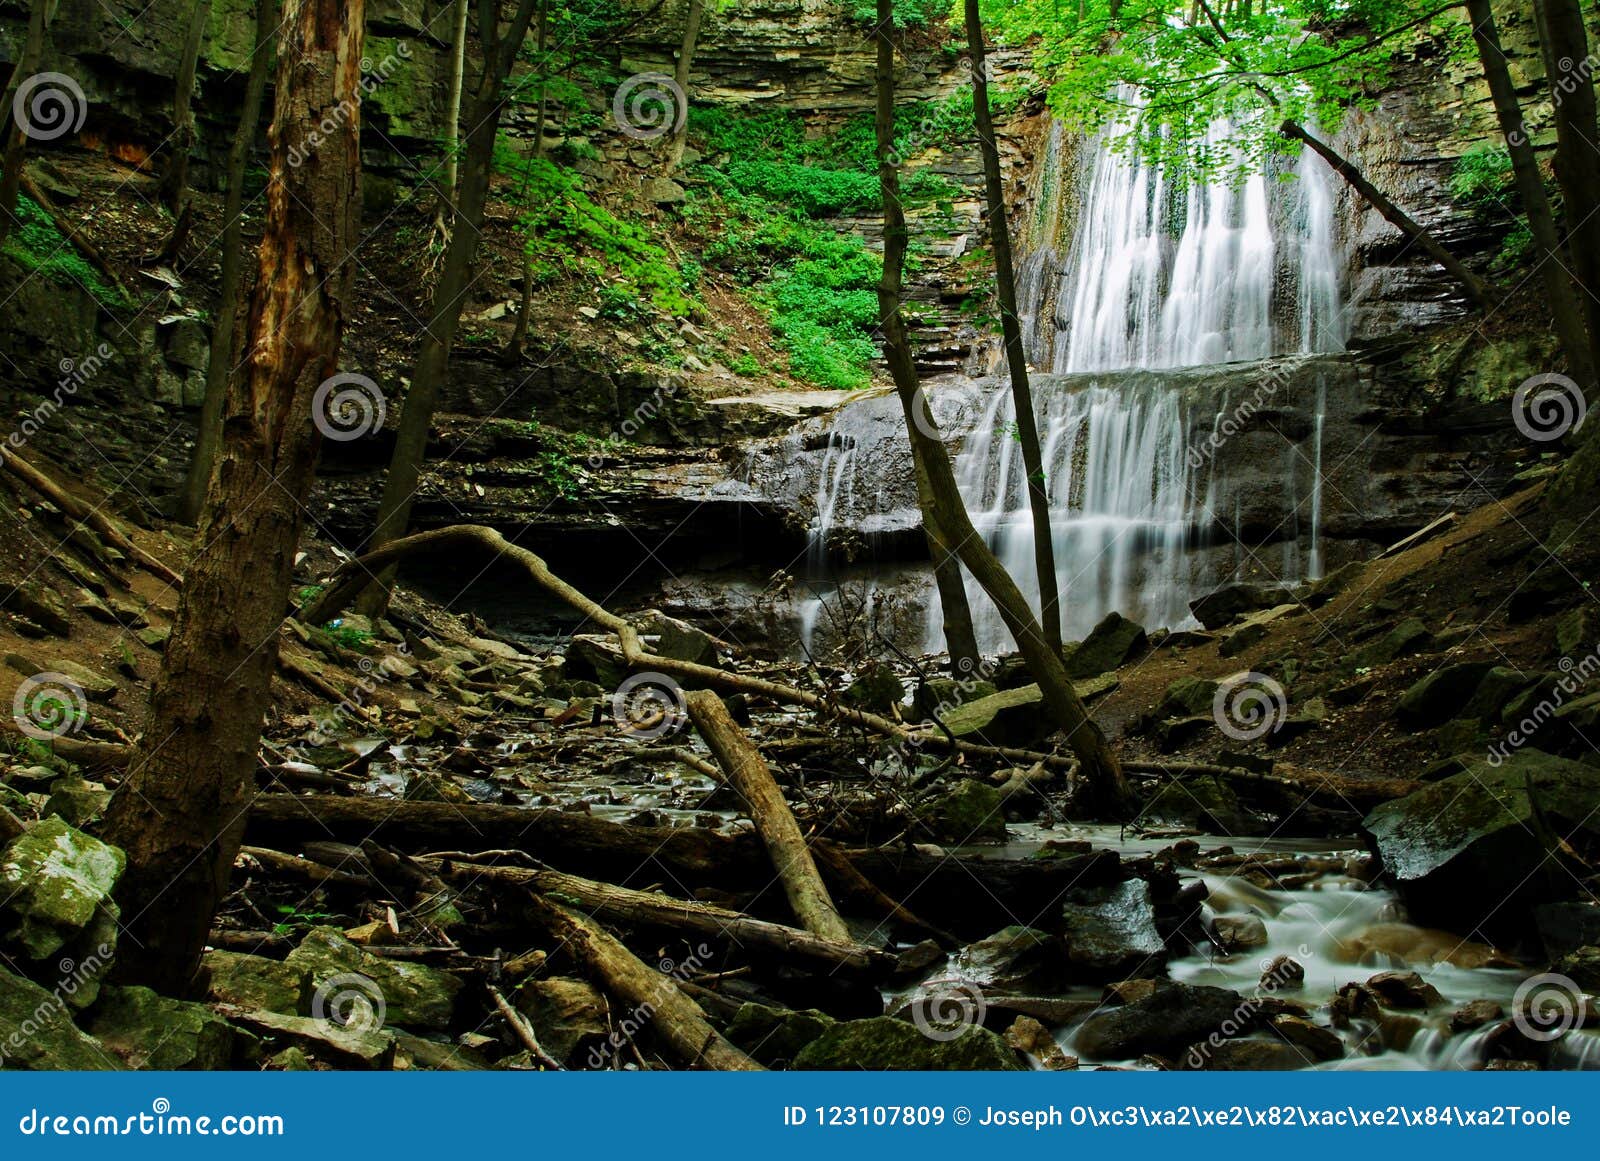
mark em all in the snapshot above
pixel 452 120
pixel 680 76
pixel 225 324
pixel 180 812
pixel 1393 214
pixel 1044 556
pixel 960 639
pixel 1552 260
pixel 14 154
pixel 175 178
pixel 1108 791
pixel 450 296
pixel 519 333
pixel 1569 68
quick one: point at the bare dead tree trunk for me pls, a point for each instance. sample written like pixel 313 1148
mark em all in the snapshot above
pixel 450 296
pixel 1551 257
pixel 180 812
pixel 1044 556
pixel 175 178
pixel 14 154
pixel 680 76
pixel 1570 71
pixel 225 323
pixel 1108 790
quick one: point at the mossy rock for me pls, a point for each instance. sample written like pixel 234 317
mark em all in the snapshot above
pixel 775 1036
pixel 1111 644
pixel 412 995
pixel 1442 694
pixel 970 811
pixel 150 1031
pixel 889 1045
pixel 253 981
pixel 1016 717
pixel 876 689
pixel 1205 803
pixel 54 881
pixel 1187 697
pixel 37 1032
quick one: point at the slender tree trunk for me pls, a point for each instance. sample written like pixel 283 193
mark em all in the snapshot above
pixel 1569 69
pixel 175 178
pixel 680 75
pixel 1108 790
pixel 13 156
pixel 450 296
pixel 180 812
pixel 1392 213
pixel 1044 556
pixel 225 323
pixel 1551 257
pixel 452 122
pixel 960 639
pixel 519 333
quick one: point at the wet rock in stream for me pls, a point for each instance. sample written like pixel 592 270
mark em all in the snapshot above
pixel 1166 1022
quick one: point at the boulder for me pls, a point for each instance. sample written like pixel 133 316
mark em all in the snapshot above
pixel 1206 803
pixel 1249 1056
pixel 939 695
pixel 886 1044
pixel 1111 644
pixel 1187 697
pixel 253 981
pixel 1016 717
pixel 877 689
pixel 1404 990
pixel 970 811
pixel 37 1032
pixel 345 1046
pixel 77 801
pixel 680 640
pixel 1315 594
pixel 1495 691
pixel 1578 631
pixel 1321 1043
pixel 1244 637
pixel 1475 1014
pixel 55 885
pixel 1466 850
pixel 1110 932
pixel 1028 1035
pixel 1441 695
pixel 568 1016
pixel 1016 959
pixel 775 1036
pixel 1408 637
pixel 1166 1022
pixel 150 1031
pixel 1219 607
pixel 1239 932
pixel 409 994
pixel 595 659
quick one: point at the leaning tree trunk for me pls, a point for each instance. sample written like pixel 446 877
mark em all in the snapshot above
pixel 225 324
pixel 680 77
pixel 1393 214
pixel 450 296
pixel 180 812
pixel 175 178
pixel 14 154
pixel 1108 790
pixel 1551 257
pixel 960 639
pixel 1570 69
pixel 1044 556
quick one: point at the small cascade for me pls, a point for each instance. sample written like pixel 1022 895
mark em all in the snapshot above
pixel 836 482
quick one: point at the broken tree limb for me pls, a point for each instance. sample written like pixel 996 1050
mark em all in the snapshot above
pixel 71 232
pixel 675 1019
pixel 620 904
pixel 518 1023
pixel 747 772
pixel 87 513
pixel 852 884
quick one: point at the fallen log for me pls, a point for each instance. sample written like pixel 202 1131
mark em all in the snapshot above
pixel 621 905
pixel 675 1019
pixel 747 773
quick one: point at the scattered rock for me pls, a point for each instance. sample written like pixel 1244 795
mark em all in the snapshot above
pixel 1111 933
pixel 1206 803
pixel 939 695
pixel 883 1043
pixel 1283 972
pixel 412 995
pixel 1218 608
pixel 877 689
pixel 1441 695
pixel 324 1040
pixel 56 884
pixel 1475 1014
pixel 1028 1035
pixel 76 801
pixel 1016 717
pixel 253 981
pixel 1404 990
pixel 150 1031
pixel 1016 958
pixel 1321 1043
pixel 970 811
pixel 1187 697
pixel 1166 1022
pixel 1240 932
pixel 1408 637
pixel 1249 1056
pixel 680 640
pixel 775 1036
pixel 36 1032
pixel 1111 644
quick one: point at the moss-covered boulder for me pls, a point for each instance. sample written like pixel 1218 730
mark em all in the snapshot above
pixel 1468 850
pixel 1187 697
pixel 1110 933
pixel 775 1036
pixel 147 1030
pixel 1016 717
pixel 1442 694
pixel 887 1044
pixel 410 994
pixel 1017 959
pixel 970 811
pixel 1205 803
pixel 37 1032
pixel 939 695
pixel 568 1016
pixel 55 884
pixel 253 981
pixel 1166 1020
pixel 875 689
pixel 1111 644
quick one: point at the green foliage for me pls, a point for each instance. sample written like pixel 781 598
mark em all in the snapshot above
pixel 907 13
pixel 571 235
pixel 347 636
pixel 37 245
pixel 1482 177
pixel 823 305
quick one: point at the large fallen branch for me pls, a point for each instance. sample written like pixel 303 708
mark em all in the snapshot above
pixel 748 774
pixel 674 1019
pixel 621 905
